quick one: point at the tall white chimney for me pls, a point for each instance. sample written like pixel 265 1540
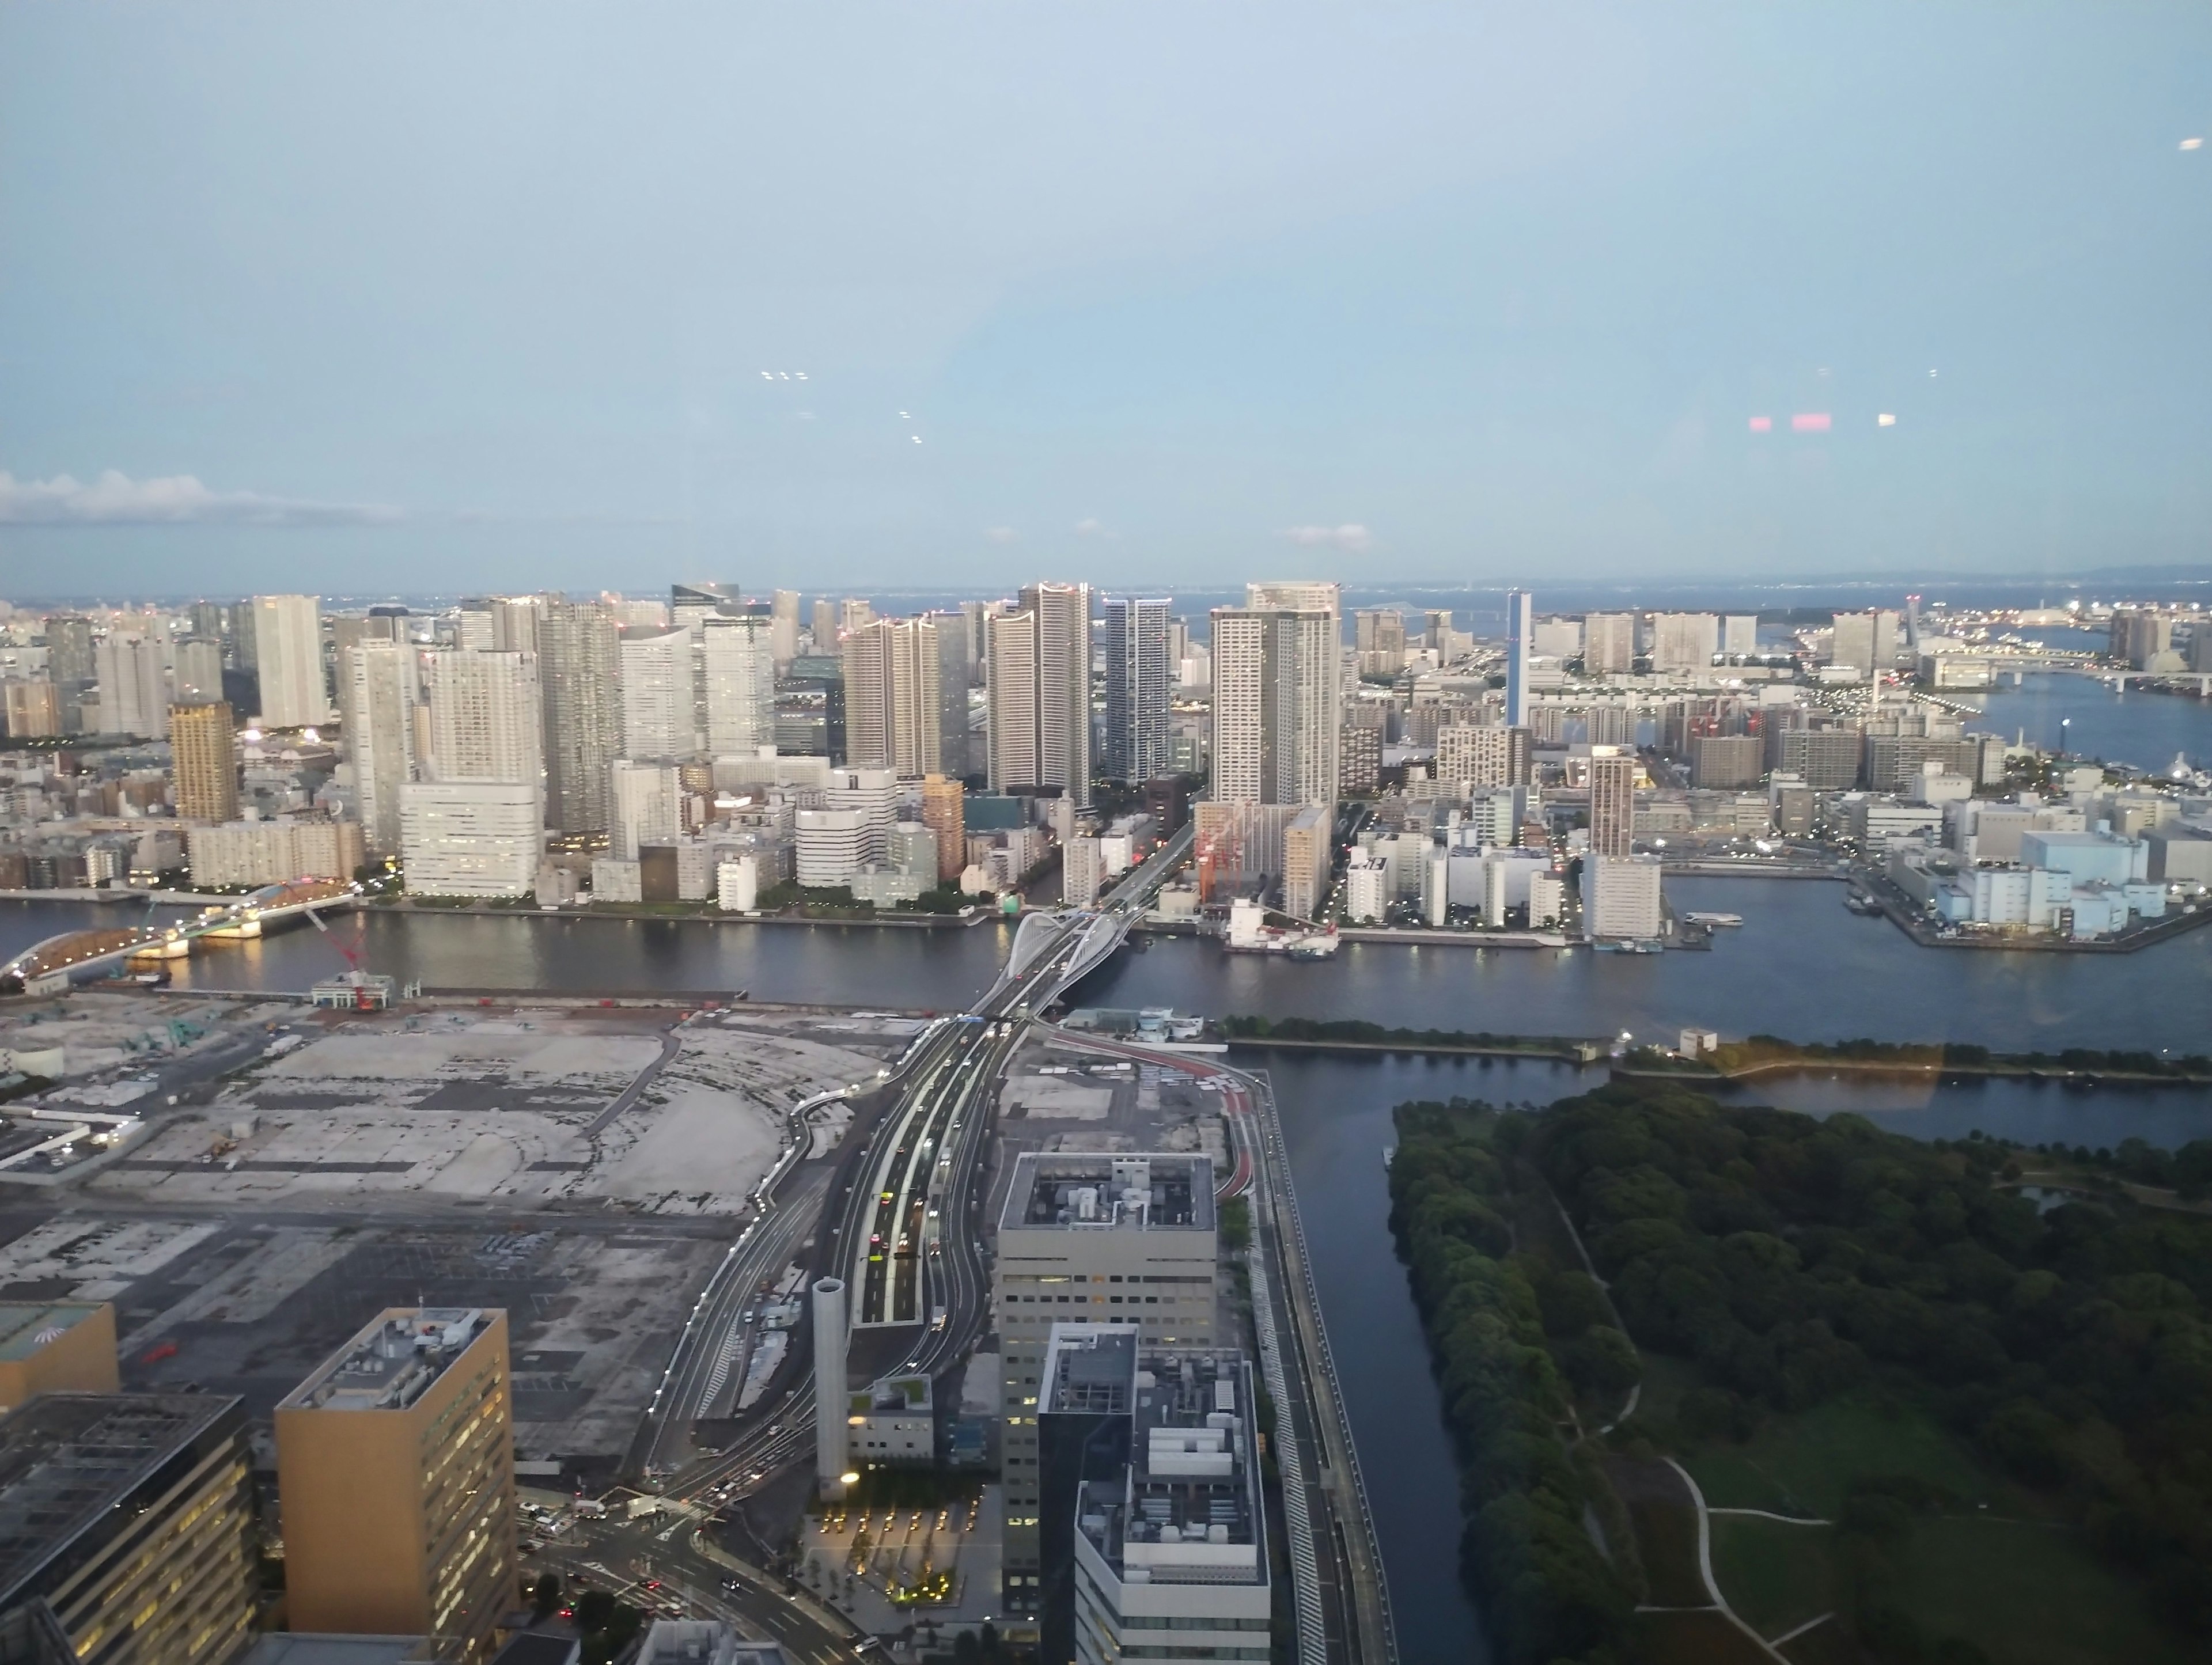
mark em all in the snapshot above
pixel 832 1441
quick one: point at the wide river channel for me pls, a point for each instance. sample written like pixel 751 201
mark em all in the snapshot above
pixel 1800 966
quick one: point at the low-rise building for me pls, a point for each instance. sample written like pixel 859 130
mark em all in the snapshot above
pixel 56 1346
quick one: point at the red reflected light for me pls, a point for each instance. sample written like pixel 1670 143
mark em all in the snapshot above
pixel 1809 422
pixel 1762 425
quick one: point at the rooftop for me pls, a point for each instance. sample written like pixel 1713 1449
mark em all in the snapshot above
pixel 1087 1191
pixel 25 1327
pixel 68 1460
pixel 391 1362
pixel 1185 1507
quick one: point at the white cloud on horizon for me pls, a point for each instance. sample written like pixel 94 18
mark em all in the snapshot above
pixel 1091 527
pixel 1001 534
pixel 116 500
pixel 1351 537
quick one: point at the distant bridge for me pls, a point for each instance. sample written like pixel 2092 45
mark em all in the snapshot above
pixel 74 952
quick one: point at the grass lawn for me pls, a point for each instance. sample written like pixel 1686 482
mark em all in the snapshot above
pixel 1824 1644
pixel 1694 1638
pixel 1774 1576
pixel 1666 1529
pixel 1801 1465
pixel 2029 1594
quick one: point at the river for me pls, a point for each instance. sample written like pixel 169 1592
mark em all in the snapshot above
pixel 2138 726
pixel 1801 967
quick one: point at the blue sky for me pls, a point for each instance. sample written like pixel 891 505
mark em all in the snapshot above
pixel 424 297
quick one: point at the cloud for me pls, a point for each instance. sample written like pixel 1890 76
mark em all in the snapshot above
pixel 116 500
pixel 1001 534
pixel 1091 527
pixel 1353 538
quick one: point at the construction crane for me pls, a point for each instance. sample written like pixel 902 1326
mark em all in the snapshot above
pixel 361 1002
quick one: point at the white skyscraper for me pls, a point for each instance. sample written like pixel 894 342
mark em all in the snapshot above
pixel 134 685
pixel 1276 674
pixel 376 716
pixel 893 678
pixel 739 658
pixel 288 645
pixel 643 806
pixel 1683 641
pixel 657 709
pixel 1609 644
pixel 486 719
pixel 1040 692
pixel 469 838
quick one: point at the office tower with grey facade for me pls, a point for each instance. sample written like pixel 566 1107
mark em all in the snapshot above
pixel 579 669
pixel 1140 679
pixel 1520 634
pixel 376 724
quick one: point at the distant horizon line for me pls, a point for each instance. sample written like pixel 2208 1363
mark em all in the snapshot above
pixel 2190 574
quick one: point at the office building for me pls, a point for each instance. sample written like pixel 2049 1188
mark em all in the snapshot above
pixel 32 709
pixel 894 716
pixel 1475 755
pixel 1612 800
pixel 1519 633
pixel 1039 712
pixel 738 665
pixel 832 847
pixel 288 648
pixel 1868 641
pixel 123 1525
pixel 822 626
pixel 945 812
pixel 56 1346
pixel 1740 634
pixel 70 660
pixel 1152 1519
pixel 1277 707
pixel 473 630
pixel 873 795
pixel 1620 898
pixel 658 718
pixel 1609 644
pixel 1683 641
pixel 377 721
pixel 852 614
pixel 1139 682
pixel 469 838
pixel 1825 759
pixel 395 1468
pixel 579 668
pixel 702 597
pixel 134 686
pixel 644 806
pixel 204 761
pixel 195 670
pixel 1102 1237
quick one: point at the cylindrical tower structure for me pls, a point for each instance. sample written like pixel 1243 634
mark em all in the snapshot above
pixel 832 1441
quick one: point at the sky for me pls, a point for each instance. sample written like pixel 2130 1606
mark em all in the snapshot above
pixel 417 298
